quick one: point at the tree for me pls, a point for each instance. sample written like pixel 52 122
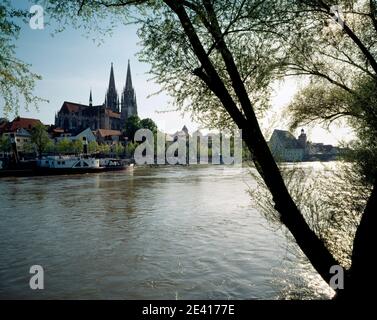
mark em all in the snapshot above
pixel 104 148
pixel 40 138
pixel 17 82
pixel 5 144
pixel 325 103
pixel 134 123
pixel 76 146
pixel 218 60
pixel 118 149
pixel 149 124
pixel 131 126
pixel 341 61
pixel 63 146
pixel 93 147
pixel 50 147
pixel 130 149
pixel 28 147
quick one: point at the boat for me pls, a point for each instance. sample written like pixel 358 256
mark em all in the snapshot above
pixel 9 168
pixel 110 164
pixel 67 165
pixel 56 165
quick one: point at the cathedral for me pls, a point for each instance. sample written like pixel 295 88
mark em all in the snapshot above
pixel 111 115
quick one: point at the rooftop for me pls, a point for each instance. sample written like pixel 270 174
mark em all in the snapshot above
pixel 106 133
pixel 286 138
pixel 24 123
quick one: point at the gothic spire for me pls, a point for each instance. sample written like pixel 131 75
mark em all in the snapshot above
pixel 111 100
pixel 128 101
pixel 112 80
pixel 90 98
pixel 128 78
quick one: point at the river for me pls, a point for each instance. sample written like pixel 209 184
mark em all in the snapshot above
pixel 149 233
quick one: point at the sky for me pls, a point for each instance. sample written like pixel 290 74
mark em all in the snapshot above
pixel 71 65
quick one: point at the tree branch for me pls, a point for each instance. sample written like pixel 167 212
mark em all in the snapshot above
pixel 354 38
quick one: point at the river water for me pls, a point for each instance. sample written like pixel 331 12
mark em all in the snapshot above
pixel 147 233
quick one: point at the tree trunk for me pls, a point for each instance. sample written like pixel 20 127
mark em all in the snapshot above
pixel 361 278
pixel 310 244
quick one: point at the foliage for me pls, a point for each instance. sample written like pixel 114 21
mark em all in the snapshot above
pixel 131 126
pixel 134 123
pixel 104 148
pixel 67 146
pixel 149 124
pixel 130 149
pixel 93 147
pixel 76 146
pixel 17 81
pixel 340 62
pixel 323 103
pixel 331 197
pixel 40 138
pixel 28 147
pixel 5 144
pixel 50 147
pixel 63 146
pixel 118 149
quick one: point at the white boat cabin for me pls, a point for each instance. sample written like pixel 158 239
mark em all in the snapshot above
pixel 66 162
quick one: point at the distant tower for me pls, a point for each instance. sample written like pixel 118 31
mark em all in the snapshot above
pixel 90 98
pixel 185 130
pixel 302 139
pixel 111 99
pixel 128 101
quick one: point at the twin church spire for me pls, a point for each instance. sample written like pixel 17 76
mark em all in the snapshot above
pixel 128 105
pixel 128 100
pixel 111 98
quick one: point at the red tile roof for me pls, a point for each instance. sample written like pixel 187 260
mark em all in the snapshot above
pixel 3 125
pixel 105 133
pixel 70 107
pixel 73 107
pixel 112 114
pixel 25 123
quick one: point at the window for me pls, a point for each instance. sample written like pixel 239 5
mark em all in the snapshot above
pixel 85 164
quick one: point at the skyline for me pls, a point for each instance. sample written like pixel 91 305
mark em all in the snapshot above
pixel 71 65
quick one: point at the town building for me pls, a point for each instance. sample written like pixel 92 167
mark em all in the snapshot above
pixel 111 115
pixel 18 123
pixel 22 138
pixel 20 129
pixel 286 148
pixel 109 137
pixel 86 135
pixel 183 133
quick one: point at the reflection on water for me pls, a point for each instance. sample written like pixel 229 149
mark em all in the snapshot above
pixel 150 233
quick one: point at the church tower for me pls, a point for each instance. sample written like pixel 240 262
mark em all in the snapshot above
pixel 302 139
pixel 90 99
pixel 128 101
pixel 111 99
